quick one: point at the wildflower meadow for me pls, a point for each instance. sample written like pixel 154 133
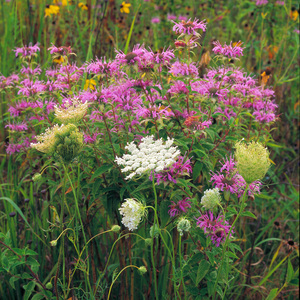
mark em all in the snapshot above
pixel 149 149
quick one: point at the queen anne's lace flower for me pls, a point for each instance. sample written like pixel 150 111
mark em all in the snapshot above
pixel 149 155
pixel 211 198
pixel 132 211
pixel 71 113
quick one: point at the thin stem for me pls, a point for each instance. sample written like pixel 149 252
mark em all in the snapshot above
pixel 227 240
pixel 130 266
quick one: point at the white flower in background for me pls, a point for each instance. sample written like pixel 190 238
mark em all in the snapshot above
pixel 132 211
pixel 72 112
pixel 211 198
pixel 149 155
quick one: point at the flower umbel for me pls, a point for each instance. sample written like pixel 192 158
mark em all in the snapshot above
pixel 183 225
pixel 132 211
pixel 149 155
pixel 211 198
pixel 252 161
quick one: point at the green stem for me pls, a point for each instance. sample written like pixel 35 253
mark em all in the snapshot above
pixel 181 267
pixel 227 240
pixel 82 228
pixel 130 266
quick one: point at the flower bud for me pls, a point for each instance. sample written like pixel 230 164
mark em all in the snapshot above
pixel 154 231
pixel 183 225
pixel 53 243
pixel 142 270
pixel 116 228
pixel 37 177
pixel 148 242
pixel 252 161
pixel 49 285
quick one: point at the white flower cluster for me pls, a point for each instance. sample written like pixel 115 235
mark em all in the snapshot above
pixel 149 155
pixel 132 211
pixel 211 198
pixel 183 225
pixel 47 140
pixel 72 113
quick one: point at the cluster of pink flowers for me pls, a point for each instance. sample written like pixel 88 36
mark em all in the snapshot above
pixel 228 50
pixel 182 167
pixel 215 227
pixel 228 179
pixel 180 207
pixel 27 50
pixel 189 27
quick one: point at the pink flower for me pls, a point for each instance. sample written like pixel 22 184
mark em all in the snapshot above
pixel 182 167
pixel 228 50
pixel 216 228
pixel 155 20
pixel 61 50
pixel 183 69
pixel 171 17
pixel 189 27
pixel 261 2
pixel 27 50
pixel 17 127
pixel 182 18
pixel 180 207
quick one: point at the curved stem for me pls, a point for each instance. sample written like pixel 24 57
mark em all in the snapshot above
pixel 130 266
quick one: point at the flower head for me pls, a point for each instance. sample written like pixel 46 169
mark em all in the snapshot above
pixel 211 198
pixel 51 10
pixel 125 7
pixel 252 161
pixel 71 113
pixel 149 155
pixel 215 227
pixel 180 207
pixel 132 211
pixel 183 225
pixel 228 50
pixel 189 27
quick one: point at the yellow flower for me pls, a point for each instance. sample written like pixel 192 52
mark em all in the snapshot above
pixel 51 10
pixel 125 8
pixel 65 2
pixel 294 14
pixel 90 84
pixel 82 6
pixel 59 60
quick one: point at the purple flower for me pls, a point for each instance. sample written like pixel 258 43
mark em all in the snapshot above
pixel 27 50
pixel 182 167
pixel 189 27
pixel 228 50
pixel 261 2
pixel 155 20
pixel 180 207
pixel 216 228
pixel 183 69
pixel 17 127
pixel 228 179
pixel 171 17
pixel 182 18
pixel 61 50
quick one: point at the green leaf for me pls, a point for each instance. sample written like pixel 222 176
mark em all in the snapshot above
pixel 28 290
pixel 290 271
pixel 38 297
pixel 248 214
pixel 272 294
pixel 12 281
pixel 202 270
pixel 101 170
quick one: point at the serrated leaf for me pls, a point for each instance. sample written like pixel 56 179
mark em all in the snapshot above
pixel 202 270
